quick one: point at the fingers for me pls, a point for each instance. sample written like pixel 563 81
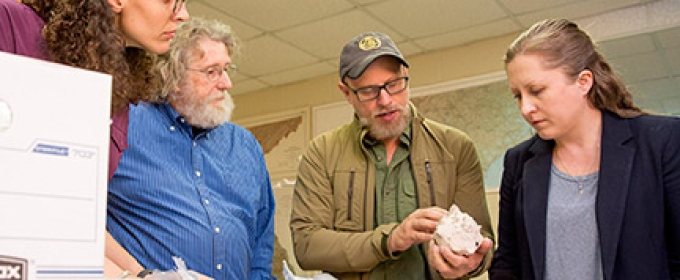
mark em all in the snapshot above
pixel 432 213
pixel 424 220
pixel 418 227
pixel 486 245
pixel 451 265
pixel 448 264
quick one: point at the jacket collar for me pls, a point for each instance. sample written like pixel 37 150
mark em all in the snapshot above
pixel 616 162
pixel 536 178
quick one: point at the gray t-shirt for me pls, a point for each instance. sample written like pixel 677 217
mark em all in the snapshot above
pixel 572 239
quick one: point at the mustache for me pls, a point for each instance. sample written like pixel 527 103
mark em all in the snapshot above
pixel 218 95
pixel 386 110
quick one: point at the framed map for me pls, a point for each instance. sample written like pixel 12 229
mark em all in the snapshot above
pixel 283 137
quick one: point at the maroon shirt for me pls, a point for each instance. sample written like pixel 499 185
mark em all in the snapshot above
pixel 118 144
pixel 20 29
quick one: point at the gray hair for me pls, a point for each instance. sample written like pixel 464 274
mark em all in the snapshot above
pixel 173 65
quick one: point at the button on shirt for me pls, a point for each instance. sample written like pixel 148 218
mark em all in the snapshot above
pixel 395 186
pixel 205 198
pixel 395 199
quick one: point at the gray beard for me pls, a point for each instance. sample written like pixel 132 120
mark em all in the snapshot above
pixel 383 132
pixel 200 113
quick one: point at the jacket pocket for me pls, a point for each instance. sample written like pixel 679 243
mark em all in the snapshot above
pixel 350 192
pixel 407 200
pixel 430 183
pixel 347 198
pixel 440 178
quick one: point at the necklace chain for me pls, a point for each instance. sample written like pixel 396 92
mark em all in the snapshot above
pixel 579 181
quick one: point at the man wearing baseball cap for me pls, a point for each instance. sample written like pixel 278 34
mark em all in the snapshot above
pixel 369 194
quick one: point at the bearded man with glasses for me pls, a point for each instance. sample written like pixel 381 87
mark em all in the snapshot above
pixel 192 184
pixel 370 193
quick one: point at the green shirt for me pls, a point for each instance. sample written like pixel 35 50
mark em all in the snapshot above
pixel 395 199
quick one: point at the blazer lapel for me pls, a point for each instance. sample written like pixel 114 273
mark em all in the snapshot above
pixel 616 163
pixel 536 179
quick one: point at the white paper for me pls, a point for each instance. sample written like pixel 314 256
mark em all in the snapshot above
pixel 54 139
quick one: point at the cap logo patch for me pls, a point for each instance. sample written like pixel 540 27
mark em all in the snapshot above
pixel 369 42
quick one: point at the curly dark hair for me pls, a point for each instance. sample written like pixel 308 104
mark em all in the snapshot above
pixel 82 33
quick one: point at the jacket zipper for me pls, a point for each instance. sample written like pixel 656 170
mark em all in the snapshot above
pixel 350 191
pixel 428 171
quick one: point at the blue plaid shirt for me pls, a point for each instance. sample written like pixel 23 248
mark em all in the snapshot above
pixel 205 198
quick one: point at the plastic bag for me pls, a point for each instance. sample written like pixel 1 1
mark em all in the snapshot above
pixel 182 273
pixel 288 275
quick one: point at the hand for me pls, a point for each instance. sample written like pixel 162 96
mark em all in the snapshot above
pixel 451 265
pixel 418 227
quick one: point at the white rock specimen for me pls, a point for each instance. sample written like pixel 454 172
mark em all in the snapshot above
pixel 459 232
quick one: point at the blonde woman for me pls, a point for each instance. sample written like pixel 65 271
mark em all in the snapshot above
pixel 595 194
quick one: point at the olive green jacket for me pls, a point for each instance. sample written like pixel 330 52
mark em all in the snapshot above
pixel 332 217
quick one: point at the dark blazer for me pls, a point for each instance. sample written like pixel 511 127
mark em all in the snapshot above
pixel 638 202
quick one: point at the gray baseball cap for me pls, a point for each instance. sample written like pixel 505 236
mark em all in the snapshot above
pixel 364 49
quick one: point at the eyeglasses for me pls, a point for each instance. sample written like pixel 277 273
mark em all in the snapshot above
pixel 369 93
pixel 214 73
pixel 178 5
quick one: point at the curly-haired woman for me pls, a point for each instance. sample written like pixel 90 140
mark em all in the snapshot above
pixel 117 37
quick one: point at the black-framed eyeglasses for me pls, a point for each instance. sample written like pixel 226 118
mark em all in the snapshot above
pixel 178 6
pixel 369 93
pixel 214 73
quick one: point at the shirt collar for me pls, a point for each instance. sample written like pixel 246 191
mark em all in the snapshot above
pixel 177 121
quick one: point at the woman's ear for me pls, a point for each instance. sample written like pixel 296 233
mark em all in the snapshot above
pixel 585 80
pixel 116 5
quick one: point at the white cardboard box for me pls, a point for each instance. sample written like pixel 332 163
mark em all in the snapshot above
pixel 54 144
